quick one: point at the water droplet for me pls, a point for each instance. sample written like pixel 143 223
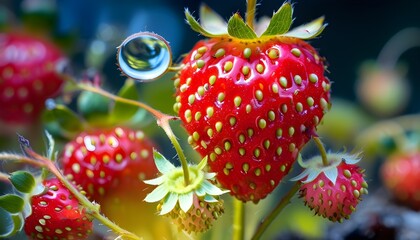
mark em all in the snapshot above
pixel 144 56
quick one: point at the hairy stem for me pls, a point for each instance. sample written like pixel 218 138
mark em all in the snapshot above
pixel 238 219
pixel 21 159
pixel 164 124
pixel 322 150
pixel 93 209
pixel 280 206
pixel 250 12
pixel 162 120
pixel 4 177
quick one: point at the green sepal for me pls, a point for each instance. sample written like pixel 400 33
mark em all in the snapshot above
pixel 162 164
pixel 281 21
pixel 10 224
pixel 61 120
pixel 23 181
pixel 121 112
pixel 212 21
pixel 12 203
pixel 195 25
pixel 239 29
pixel 309 30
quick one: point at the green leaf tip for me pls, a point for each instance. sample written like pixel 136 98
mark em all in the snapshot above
pixel 162 164
pixel 281 21
pixel 195 25
pixel 239 29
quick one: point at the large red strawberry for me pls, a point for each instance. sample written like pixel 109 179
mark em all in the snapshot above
pixel 401 175
pixel 56 214
pixel 335 190
pixel 28 76
pixel 102 161
pixel 250 103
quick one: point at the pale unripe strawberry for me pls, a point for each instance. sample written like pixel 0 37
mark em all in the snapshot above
pixel 335 190
pixel 199 218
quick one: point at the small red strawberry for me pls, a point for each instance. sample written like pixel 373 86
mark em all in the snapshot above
pixel 56 214
pixel 28 76
pixel 401 175
pixel 335 190
pixel 250 103
pixel 103 161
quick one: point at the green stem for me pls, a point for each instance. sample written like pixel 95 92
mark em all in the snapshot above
pixel 164 124
pixel 250 12
pixel 162 120
pixel 238 219
pixel 93 209
pixel 322 150
pixel 280 206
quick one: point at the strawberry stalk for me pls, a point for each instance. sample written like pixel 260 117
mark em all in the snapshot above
pixel 162 121
pixel 276 211
pixel 250 12
pixel 238 219
pixel 322 150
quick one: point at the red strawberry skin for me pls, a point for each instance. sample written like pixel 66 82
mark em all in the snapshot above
pixel 103 161
pixel 56 214
pixel 401 175
pixel 28 76
pixel 251 105
pixel 335 201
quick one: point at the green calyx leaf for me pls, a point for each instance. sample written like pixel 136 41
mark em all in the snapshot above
pixel 162 164
pixel 211 21
pixel 10 224
pixel 195 25
pixel 239 29
pixel 23 181
pixel 11 203
pixel 309 30
pixel 281 21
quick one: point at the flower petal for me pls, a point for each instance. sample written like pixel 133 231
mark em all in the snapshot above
pixel 155 181
pixel 185 201
pixel 169 203
pixel 162 164
pixel 157 194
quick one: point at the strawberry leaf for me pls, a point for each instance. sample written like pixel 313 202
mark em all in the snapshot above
pixel 121 112
pixel 239 29
pixel 186 201
pixel 195 25
pixel 60 120
pixel 10 224
pixel 23 181
pixel 281 21
pixel 309 30
pixel 169 203
pixel 11 203
pixel 157 194
pixel 93 107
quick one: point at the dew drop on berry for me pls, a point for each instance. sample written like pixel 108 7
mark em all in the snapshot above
pixel 144 56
